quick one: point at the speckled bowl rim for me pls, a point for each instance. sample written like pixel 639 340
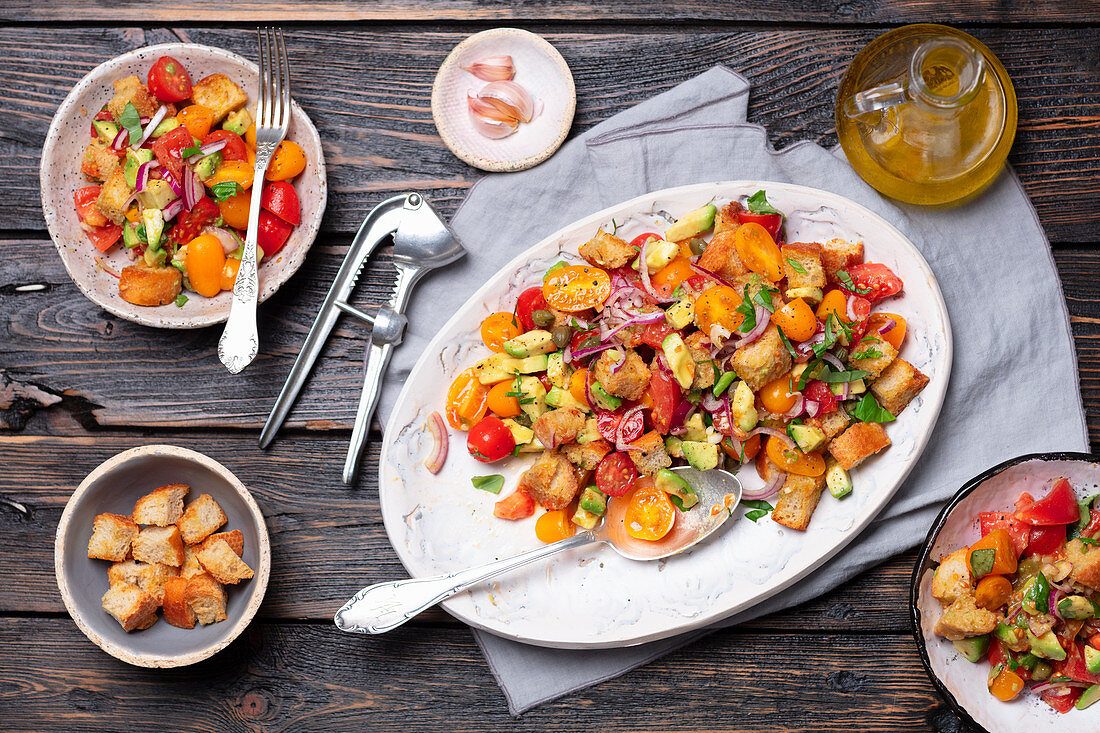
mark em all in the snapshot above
pixel 272 282
pixel 924 563
pixel 258 584
pixel 512 165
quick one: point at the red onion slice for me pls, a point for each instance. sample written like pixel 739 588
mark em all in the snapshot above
pixel 1059 685
pixel 142 177
pixel 796 408
pixel 620 360
pixel 833 361
pixel 812 407
pixel 206 150
pixel 160 114
pixel 711 403
pixel 582 353
pixel 643 270
pixel 774 433
pixel 763 318
pixel 438 430
pixel 888 326
pixel 176 187
pixel 174 207
pixel 707 273
pixel 119 143
pixel 768 489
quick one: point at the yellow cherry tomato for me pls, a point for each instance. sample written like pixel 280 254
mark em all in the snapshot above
pixel 205 261
pixel 197 119
pixel 758 251
pixel 792 460
pixel 576 288
pixel 834 302
pixel 796 319
pixel 288 161
pixel 895 335
pixel 718 306
pixel 1007 685
pixel 498 328
pixel 668 278
pixel 236 171
pixel 778 395
pixel 229 272
pixel 250 137
pixel 554 525
pixel 577 386
pixel 500 402
pixel 650 514
pixel 235 209
pixel 467 400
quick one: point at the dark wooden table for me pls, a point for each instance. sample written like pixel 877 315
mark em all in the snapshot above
pixel 78 385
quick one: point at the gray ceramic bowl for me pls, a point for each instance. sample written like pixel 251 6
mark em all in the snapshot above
pixel 962 683
pixel 113 487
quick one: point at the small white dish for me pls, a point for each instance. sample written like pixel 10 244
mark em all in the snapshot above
pixel 539 68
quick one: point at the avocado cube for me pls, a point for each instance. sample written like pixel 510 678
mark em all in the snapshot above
pixel 692 223
pixel 130 238
pixel 208 166
pixel 593 501
pixel 743 407
pixel 106 130
pixel 672 484
pixel 585 519
pixel 657 255
pixel 679 359
pixel 701 456
pixel 681 313
pixel 135 158
pixel 1046 646
pixel 519 433
pixel 530 344
pixel 1088 697
pixel 533 401
pixel 153 219
pixel 838 480
pixel 973 648
pixel 604 400
pixel 590 432
pixel 238 121
pixel 807 437
pixel 1092 660
pixel 674 446
pixel 1076 607
pixel 557 370
pixel 812 296
pixel 558 397
pixel 695 429
pixel 156 195
pixel 164 127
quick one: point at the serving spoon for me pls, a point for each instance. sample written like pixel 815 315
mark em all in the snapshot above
pixel 384 606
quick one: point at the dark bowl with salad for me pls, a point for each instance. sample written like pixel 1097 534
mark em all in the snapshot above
pixel 1005 596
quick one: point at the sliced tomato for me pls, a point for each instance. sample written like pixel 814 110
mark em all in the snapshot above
pixel 1017 530
pixel 772 222
pixel 575 288
pixel 517 505
pixel 168 149
pixel 234 149
pixel 873 281
pixel 642 238
pixel 1045 540
pixel 1073 666
pixel 169 81
pixel 272 233
pixel 490 440
pixel 1093 526
pixel 665 393
pixel 84 199
pixel 1061 703
pixel 280 198
pixel 653 334
pixel 608 422
pixel 529 301
pixel 1057 507
pixel 819 392
pixel 191 224
pixel 104 237
pixel 616 474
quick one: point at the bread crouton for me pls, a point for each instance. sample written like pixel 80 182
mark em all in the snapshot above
pixel 206 599
pixel 159 544
pixel 112 536
pixel 763 360
pixel 698 345
pixel 837 254
pixel 726 219
pixel 651 455
pixel 587 455
pixel 607 251
pixel 557 427
pixel 218 93
pixel 952 578
pixel 802 265
pixel 176 609
pixel 1086 563
pixel 797 500
pixel 629 382
pixel 131 90
pixel 765 467
pixel 963 618
pixel 143 284
pixel 897 385
pixel 99 162
pixel 150 577
pixel 201 518
pixel 832 424
pixel 872 354
pixel 114 197
pixel 551 482
pixel 161 506
pixel 191 565
pixel 720 257
pixel 857 443
pixel 223 564
pixel 132 607
pixel 235 538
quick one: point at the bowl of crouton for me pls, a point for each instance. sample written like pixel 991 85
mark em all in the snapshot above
pixel 162 556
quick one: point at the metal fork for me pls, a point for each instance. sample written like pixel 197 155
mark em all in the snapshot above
pixel 240 340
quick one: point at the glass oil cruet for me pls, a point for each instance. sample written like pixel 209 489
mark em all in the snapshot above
pixel 926 114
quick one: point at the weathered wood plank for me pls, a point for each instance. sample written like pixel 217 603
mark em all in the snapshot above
pixel 371 103
pixel 311 677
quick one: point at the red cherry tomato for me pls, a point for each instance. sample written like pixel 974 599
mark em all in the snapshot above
pixel 169 81
pixel 529 301
pixel 169 147
pixel 102 115
pixel 490 440
pixel 1045 540
pixel 641 239
pixel 102 232
pixel 234 149
pixel 280 198
pixel 771 222
pixel 272 233
pixel 517 505
pixel 665 393
pixel 1017 530
pixel 204 212
pixel 820 392
pixel 1057 507
pixel 653 334
pixel 616 474
pixel 873 281
pixel 104 237
pixel 608 421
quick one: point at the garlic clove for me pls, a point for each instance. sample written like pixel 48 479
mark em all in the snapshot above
pixel 486 109
pixel 492 68
pixel 494 129
pixel 510 98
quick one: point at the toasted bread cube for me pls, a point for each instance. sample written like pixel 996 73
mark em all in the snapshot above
pixel 161 506
pixel 872 354
pixel 632 379
pixel 963 618
pixel 897 385
pixel 809 272
pixel 202 518
pixel 143 284
pixel 725 219
pixel 857 443
pixel 133 91
pixel 763 360
pixel 176 609
pixel 836 254
pixel 191 565
pixel 698 346
pixel 588 455
pixel 797 500
pixel 112 535
pixel 720 256
pixel 832 424
pixel 150 577
pixel 1086 563
pixel 235 539
pixel 952 578
pixel 551 481
pixel 220 94
pixel 114 197
pixel 558 427
pixel 130 605
pixel 652 456
pixel 159 544
pixel 607 251
pixel 99 162
pixel 219 559
pixel 206 599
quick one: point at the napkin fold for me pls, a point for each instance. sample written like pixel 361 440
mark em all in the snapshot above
pixel 1014 382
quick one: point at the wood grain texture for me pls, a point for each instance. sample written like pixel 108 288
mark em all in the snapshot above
pixel 371 104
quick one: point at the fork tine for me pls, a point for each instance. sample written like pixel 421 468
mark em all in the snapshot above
pixel 260 107
pixel 285 79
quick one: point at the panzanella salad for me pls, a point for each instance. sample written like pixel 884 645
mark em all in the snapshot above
pixel 1024 597
pixel 175 189
pixel 714 344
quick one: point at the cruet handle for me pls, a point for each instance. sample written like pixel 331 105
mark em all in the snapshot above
pixel 872 100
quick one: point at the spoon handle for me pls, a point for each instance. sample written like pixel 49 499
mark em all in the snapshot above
pixel 382 607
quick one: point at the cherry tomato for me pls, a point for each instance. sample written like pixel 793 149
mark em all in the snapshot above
pixel 229 273
pixel 498 328
pixel 272 233
pixel 288 161
pixel 196 119
pixel 1057 507
pixel 641 239
pixel 1020 532
pixel 796 319
pixel 718 305
pixel 665 393
pixel 751 447
pixel 616 474
pixel 190 225
pixel 1007 685
pixel 103 115
pixel 778 395
pixel 234 148
pixel 232 171
pixel 819 392
pixel 874 281
pixel 609 421
pixel 792 460
pixel 771 222
pixel 205 261
pixel 1047 540
pixel 86 210
pixel 235 209
pixel 169 148
pixel 896 335
pixel 490 440
pixel 671 276
pixel 554 525
pixel 758 251
pixel 517 505
pixel 860 308
pixel 653 335
pixel 835 302
pixel 993 592
pixel 104 237
pixel 650 514
pixel 169 81
pixel 467 400
pixel 280 198
pixel 577 386
pixel 576 288
pixel 502 401
pixel 529 301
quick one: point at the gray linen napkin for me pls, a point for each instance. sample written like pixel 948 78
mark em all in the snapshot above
pixel 1014 383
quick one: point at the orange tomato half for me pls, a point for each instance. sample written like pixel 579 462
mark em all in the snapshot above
pixel 758 251
pixel 836 303
pixel 649 513
pixel 467 400
pixel 792 460
pixel 235 209
pixel 288 161
pixel 229 273
pixel 796 319
pixel 554 525
pixel 236 171
pixel 777 396
pixel 197 119
pixel 205 260
pixel 577 386
pixel 1007 685
pixel 895 335
pixel 718 305
pixel 500 403
pixel 498 328
pixel 669 277
pixel 576 288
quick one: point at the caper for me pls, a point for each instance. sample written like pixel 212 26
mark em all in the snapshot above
pixel 697 245
pixel 542 318
pixel 561 335
pixel 589 343
pixel 1042 672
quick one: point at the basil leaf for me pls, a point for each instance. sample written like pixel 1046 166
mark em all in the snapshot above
pixel 869 410
pixel 796 267
pixel 180 300
pixel 757 504
pixel 748 311
pixel 188 152
pixel 492 483
pixel 838 377
pixel 981 561
pixel 758 204
pixel 226 190
pixel 846 281
pixel 680 503
pixel 787 343
pixel 131 121
pixel 868 354
pixel 755 514
pixel 764 298
pixel 1089 541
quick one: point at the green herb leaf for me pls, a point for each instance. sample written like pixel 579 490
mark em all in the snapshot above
pixel 846 281
pixel 1089 541
pixel 808 371
pixel 188 152
pixel 616 226
pixel 981 561
pixel 556 266
pixel 868 354
pixel 787 343
pixel 226 190
pixel 180 300
pixel 869 410
pixel 764 298
pixel 131 121
pixel 755 514
pixel 832 377
pixel 748 311
pixel 680 503
pixel 758 204
pixel 757 504
pixel 796 267
pixel 492 483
